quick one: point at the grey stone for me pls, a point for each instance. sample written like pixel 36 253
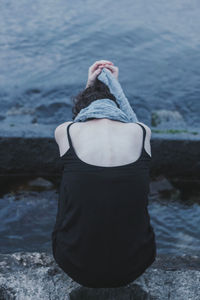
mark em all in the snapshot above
pixel 163 116
pixel 27 276
pixel 40 182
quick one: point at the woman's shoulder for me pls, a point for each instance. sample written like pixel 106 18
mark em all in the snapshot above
pixel 148 129
pixel 62 125
pixel 60 129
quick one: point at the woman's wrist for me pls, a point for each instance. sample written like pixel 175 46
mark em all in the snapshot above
pixel 89 83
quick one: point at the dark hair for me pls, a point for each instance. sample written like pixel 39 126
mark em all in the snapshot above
pixel 97 91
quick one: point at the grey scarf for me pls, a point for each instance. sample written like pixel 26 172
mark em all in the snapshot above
pixel 107 108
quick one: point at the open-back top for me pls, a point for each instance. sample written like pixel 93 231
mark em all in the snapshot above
pixel 103 236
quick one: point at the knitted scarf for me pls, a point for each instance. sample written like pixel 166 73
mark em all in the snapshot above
pixel 107 108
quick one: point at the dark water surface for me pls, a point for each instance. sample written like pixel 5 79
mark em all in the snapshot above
pixel 46 48
pixel 27 219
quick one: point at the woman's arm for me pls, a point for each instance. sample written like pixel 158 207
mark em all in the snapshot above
pixel 115 88
pixel 95 69
pixel 108 74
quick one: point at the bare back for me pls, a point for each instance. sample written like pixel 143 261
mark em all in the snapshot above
pixel 104 142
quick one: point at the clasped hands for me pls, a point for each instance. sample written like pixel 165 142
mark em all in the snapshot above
pixel 95 70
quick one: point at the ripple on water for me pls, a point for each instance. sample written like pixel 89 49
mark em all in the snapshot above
pixel 27 219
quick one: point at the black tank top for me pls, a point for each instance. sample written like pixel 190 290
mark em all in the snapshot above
pixel 103 236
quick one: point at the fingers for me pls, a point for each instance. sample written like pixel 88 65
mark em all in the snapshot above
pixel 97 67
pixel 98 63
pixel 95 73
pixel 93 77
pixel 113 68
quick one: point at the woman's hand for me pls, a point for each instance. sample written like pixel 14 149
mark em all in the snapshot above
pixel 114 70
pixel 96 68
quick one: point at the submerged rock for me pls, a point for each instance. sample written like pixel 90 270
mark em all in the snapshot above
pixel 164 116
pixel 35 276
pixel 40 183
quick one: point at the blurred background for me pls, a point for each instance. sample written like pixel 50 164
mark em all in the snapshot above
pixel 46 48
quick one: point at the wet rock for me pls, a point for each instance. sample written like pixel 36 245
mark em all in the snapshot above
pixel 161 184
pixel 164 116
pixel 33 91
pixel 40 183
pixel 174 157
pixel 161 187
pixel 45 113
pixel 37 276
pixel 7 293
pixel 19 110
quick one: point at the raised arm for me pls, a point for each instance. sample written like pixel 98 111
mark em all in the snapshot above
pixel 116 89
pixel 108 74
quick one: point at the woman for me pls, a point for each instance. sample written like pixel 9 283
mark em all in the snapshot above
pixel 103 236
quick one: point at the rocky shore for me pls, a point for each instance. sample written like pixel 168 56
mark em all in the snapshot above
pixel 34 276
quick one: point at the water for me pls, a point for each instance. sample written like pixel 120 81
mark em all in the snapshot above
pixel 46 48
pixel 27 218
pixel 176 227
